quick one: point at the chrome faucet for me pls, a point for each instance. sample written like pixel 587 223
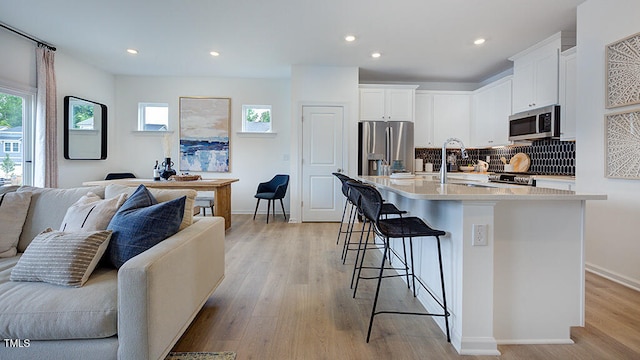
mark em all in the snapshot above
pixel 443 167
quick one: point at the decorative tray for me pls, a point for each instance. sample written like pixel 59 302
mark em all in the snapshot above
pixel 185 177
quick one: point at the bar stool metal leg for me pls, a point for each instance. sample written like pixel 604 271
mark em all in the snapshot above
pixel 366 243
pixel 347 239
pixel 360 251
pixel 344 212
pixel 375 300
pixel 444 297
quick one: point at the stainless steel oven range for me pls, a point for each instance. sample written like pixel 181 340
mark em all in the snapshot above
pixel 513 178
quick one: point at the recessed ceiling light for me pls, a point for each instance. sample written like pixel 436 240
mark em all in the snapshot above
pixel 214 53
pixel 349 38
pixel 375 55
pixel 132 51
pixel 479 41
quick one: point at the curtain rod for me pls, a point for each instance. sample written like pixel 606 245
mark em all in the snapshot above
pixel 27 36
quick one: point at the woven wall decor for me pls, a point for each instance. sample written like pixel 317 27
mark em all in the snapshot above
pixel 622 143
pixel 623 72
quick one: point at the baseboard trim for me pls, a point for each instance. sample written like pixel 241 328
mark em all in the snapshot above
pixel 535 342
pixel 613 276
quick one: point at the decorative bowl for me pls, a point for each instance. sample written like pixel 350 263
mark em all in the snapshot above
pixel 467 168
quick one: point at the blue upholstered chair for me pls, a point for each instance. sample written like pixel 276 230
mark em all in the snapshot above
pixel 272 190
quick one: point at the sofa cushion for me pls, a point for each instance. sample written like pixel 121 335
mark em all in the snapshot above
pixel 91 213
pixel 47 209
pixel 161 195
pixel 142 222
pixel 62 258
pixel 13 212
pixel 42 311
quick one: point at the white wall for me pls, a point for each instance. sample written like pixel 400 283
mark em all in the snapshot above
pixel 322 85
pixel 253 159
pixel 79 79
pixel 18 61
pixel 18 70
pixel 612 246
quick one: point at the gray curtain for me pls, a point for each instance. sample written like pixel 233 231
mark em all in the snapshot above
pixel 46 134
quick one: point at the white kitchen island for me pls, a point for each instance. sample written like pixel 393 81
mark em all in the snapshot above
pixel 526 286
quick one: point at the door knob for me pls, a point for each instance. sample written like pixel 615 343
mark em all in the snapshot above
pixel 339 170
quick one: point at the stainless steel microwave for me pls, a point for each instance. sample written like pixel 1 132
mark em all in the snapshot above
pixel 535 124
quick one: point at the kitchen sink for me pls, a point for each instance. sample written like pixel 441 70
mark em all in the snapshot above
pixel 472 185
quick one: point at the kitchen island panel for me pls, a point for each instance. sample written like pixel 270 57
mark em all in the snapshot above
pixel 539 271
pixel 525 286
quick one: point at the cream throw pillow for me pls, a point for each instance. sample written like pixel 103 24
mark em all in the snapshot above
pixel 91 213
pixel 61 258
pixel 14 207
pixel 161 195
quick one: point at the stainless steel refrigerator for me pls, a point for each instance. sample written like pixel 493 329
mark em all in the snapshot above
pixel 385 143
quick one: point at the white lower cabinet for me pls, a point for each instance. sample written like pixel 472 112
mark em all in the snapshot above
pixel 556 184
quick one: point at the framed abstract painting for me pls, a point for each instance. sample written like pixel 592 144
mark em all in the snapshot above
pixel 205 130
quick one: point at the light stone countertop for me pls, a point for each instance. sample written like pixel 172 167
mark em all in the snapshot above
pixel 555 178
pixel 541 177
pixel 428 187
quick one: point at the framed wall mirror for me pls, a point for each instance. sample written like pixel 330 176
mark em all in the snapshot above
pixel 85 129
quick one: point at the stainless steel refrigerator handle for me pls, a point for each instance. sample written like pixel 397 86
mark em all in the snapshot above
pixel 388 145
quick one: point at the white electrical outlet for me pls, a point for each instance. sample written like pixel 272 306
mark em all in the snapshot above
pixel 479 237
pixel 488 158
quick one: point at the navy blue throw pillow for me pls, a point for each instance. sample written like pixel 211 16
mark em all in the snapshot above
pixel 142 222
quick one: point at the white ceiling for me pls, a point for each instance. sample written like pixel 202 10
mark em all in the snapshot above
pixel 420 40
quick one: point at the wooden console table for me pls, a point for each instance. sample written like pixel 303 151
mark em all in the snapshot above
pixel 220 187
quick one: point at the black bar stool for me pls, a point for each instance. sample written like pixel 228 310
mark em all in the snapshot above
pixel 352 199
pixel 345 191
pixel 402 227
pixel 387 209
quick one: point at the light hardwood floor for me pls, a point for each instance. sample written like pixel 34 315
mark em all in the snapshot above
pixel 286 296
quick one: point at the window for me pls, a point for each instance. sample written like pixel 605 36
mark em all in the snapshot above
pixel 16 124
pixel 153 117
pixel 256 118
pixel 11 146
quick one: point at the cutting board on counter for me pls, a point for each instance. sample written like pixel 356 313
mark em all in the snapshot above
pixel 520 162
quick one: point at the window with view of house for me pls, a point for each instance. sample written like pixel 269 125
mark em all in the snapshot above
pixel 153 117
pixel 16 124
pixel 11 146
pixel 256 118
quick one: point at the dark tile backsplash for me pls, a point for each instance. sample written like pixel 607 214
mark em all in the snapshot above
pixel 548 156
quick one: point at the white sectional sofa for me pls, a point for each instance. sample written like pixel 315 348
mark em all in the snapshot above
pixel 137 312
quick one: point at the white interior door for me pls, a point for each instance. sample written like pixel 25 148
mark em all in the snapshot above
pixel 322 155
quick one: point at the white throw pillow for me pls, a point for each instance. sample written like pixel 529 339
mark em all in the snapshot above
pixel 61 258
pixel 91 213
pixel 14 207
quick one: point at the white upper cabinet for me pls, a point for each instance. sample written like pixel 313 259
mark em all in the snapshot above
pixel 568 92
pixel 536 73
pixel 423 124
pixel 441 115
pixel 451 117
pixel 387 102
pixel 491 110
